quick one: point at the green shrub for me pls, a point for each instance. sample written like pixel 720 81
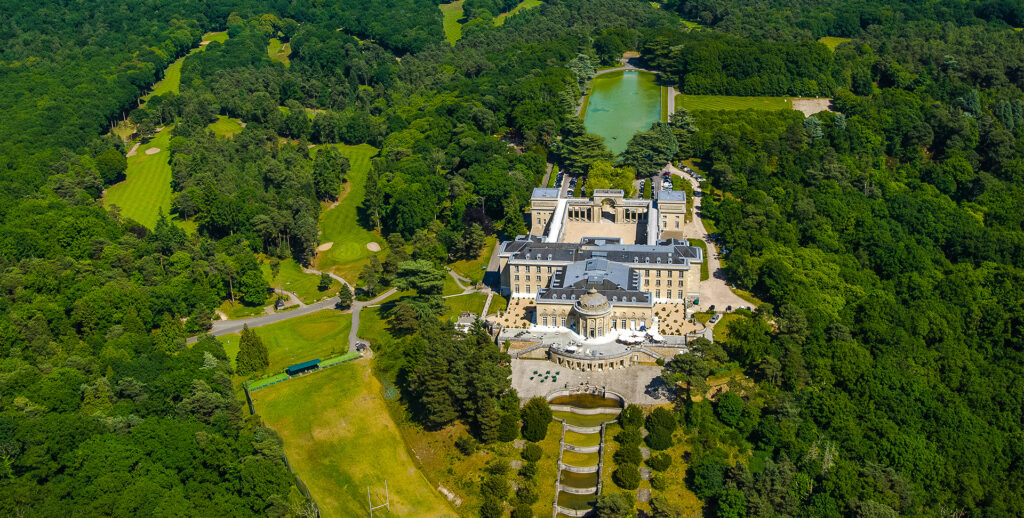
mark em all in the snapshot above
pixel 522 511
pixel 532 452
pixel 536 416
pixel 528 471
pixel 659 462
pixel 631 417
pixel 629 436
pixel 628 454
pixel 466 445
pixel 658 482
pixel 526 495
pixel 627 476
pixel 659 439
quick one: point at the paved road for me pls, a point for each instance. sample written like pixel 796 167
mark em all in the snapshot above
pixel 357 307
pixel 715 290
pixel 227 327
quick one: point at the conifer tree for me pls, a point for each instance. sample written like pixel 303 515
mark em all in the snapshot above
pixel 252 353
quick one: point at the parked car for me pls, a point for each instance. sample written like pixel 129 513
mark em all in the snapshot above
pixel 728 308
pixel 714 318
pixel 711 308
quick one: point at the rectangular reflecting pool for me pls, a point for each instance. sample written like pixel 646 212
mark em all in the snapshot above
pixel 622 104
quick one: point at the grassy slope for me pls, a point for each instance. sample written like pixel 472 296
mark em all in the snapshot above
pixel 832 42
pixel 304 285
pixel 171 81
pixel 146 190
pixel 340 225
pixel 472 302
pixel 664 104
pixel 525 4
pixel 704 273
pixel 318 335
pixel 279 51
pixel 731 102
pixel 225 126
pixel 340 439
pixel 452 14
pixel 238 310
pixel 474 270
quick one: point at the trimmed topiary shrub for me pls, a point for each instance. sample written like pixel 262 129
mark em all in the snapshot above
pixel 627 476
pixel 629 436
pixel 532 452
pixel 631 417
pixel 659 462
pixel 536 417
pixel 628 454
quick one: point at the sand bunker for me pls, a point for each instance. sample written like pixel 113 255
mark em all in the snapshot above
pixel 324 247
pixel 152 151
pixel 373 247
pixel 811 106
pixel 134 148
pixel 207 42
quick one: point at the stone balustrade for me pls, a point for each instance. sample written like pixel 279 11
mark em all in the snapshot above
pixel 581 449
pixel 578 490
pixel 577 469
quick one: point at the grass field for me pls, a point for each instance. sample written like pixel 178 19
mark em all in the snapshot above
pixel 279 51
pixel 472 302
pixel 705 274
pixel 553 177
pixel 832 42
pixel 226 126
pixel 171 82
pixel 318 335
pixel 722 326
pixel 450 286
pixel 238 310
pixel 146 190
pixel 304 285
pixel 452 13
pixel 525 4
pixel 340 439
pixel 340 225
pixel 731 102
pixel 475 269
pixel 498 305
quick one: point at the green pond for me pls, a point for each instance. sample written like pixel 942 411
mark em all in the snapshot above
pixel 586 401
pixel 622 104
pixel 580 480
pixel 573 501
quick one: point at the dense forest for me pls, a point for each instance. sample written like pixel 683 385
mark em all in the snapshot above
pixel 885 238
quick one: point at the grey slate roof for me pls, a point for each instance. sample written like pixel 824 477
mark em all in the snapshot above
pixel 671 196
pixel 545 192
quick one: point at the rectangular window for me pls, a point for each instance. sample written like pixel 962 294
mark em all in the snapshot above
pixel 613 323
pixel 563 321
pixel 677 223
pixel 623 323
pixel 515 269
pixel 657 294
pixel 517 288
pixel 537 278
pixel 647 282
pixel 680 294
pixel 668 283
pixel 528 290
pixel 657 282
pixel 517 277
pixel 657 273
pixel 549 269
pixel 545 319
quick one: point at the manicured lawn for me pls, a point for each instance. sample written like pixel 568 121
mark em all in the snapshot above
pixel 832 42
pixel 498 305
pixel 731 102
pixel 472 302
pixel 318 335
pixel 341 225
pixel 450 286
pixel 525 4
pixel 340 439
pixel 238 310
pixel 704 273
pixel 226 126
pixel 475 269
pixel 304 285
pixel 582 439
pixel 279 51
pixel 702 316
pixel 146 190
pixel 722 327
pixel 553 177
pixel 171 82
pixel 452 13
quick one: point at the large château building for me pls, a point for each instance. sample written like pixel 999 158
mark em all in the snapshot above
pixel 594 268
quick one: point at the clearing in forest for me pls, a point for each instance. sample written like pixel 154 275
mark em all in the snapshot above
pixel 832 42
pixel 226 127
pixel 322 335
pixel 279 51
pixel 731 102
pixel 452 13
pixel 171 82
pixel 525 4
pixel 340 439
pixel 341 224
